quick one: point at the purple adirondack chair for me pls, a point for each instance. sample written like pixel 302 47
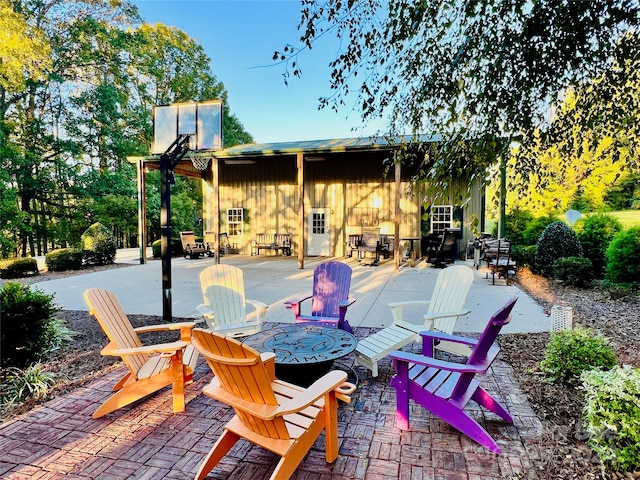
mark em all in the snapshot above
pixel 330 298
pixel 445 388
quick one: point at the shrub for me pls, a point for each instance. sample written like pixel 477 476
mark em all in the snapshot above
pixel 576 271
pixel 571 352
pixel 536 227
pixel 516 224
pixel 64 259
pixel 156 248
pixel 595 233
pixel 98 245
pixel 28 326
pixel 558 240
pixel 523 254
pixel 612 416
pixel 19 385
pixel 623 257
pixel 18 267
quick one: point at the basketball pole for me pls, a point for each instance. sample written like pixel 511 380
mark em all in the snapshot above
pixel 168 161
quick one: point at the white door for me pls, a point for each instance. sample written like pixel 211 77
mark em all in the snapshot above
pixel 318 232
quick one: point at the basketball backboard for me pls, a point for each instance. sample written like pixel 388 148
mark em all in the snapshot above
pixel 201 120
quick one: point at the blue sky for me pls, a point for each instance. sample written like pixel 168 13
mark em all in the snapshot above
pixel 240 37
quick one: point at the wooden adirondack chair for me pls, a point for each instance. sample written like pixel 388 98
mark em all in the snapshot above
pixel 225 306
pixel 151 367
pixel 330 298
pixel 445 388
pixel 443 310
pixel 281 417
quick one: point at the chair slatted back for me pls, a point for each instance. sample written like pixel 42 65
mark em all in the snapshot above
pixel 331 283
pixel 106 308
pixel 240 371
pixel 483 348
pixel 223 290
pixel 370 239
pixel 187 238
pixel 450 294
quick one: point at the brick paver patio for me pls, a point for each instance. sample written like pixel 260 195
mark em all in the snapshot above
pixel 148 441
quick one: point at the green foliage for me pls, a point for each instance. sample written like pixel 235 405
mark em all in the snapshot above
pixel 524 255
pixel 516 223
pixel 19 385
pixel 625 194
pixel 18 267
pixel 623 257
pixel 535 228
pixel 156 248
pixel 64 259
pixel 576 271
pixel 595 232
pixel 98 245
pixel 558 240
pixel 612 416
pixel 571 352
pixel 28 326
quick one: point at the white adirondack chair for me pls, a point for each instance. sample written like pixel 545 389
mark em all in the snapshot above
pixel 225 306
pixel 442 312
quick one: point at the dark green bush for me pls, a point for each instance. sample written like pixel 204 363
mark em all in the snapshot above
pixel 595 232
pixel 28 326
pixel 576 271
pixel 156 248
pixel 571 352
pixel 612 416
pixel 558 240
pixel 98 245
pixel 623 257
pixel 523 255
pixel 64 259
pixel 176 248
pixel 18 267
pixel 536 227
pixel 516 224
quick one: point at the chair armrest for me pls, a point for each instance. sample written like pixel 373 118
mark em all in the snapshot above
pixel 396 307
pixel 459 313
pixel 291 303
pixel 400 356
pixel 164 327
pixel 205 310
pixel 147 349
pixel 261 308
pixel 349 301
pixel 435 335
pixel 315 391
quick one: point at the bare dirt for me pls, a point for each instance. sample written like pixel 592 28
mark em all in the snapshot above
pixel 565 453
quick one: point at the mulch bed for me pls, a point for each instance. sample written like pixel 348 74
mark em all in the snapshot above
pixel 566 455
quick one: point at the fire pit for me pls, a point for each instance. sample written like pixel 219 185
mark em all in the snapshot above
pixel 303 353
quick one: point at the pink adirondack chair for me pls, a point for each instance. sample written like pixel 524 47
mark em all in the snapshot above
pixel 444 388
pixel 330 298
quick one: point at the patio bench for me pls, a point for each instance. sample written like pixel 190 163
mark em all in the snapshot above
pixel 276 242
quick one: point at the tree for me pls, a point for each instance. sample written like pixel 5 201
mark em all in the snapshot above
pixel 592 145
pixel 463 69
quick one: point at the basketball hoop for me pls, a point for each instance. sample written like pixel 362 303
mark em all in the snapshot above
pixel 200 162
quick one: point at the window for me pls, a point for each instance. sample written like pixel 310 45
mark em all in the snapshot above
pixel 441 218
pixel 235 221
pixel 318 226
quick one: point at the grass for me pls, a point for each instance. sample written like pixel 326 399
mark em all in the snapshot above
pixel 628 218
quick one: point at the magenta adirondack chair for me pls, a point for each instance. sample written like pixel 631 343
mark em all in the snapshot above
pixel 444 388
pixel 330 298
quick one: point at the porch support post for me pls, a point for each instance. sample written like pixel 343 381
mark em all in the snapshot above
pixel 215 168
pixel 142 212
pixel 396 217
pixel 301 232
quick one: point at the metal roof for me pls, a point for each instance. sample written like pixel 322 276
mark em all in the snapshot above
pixel 315 146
